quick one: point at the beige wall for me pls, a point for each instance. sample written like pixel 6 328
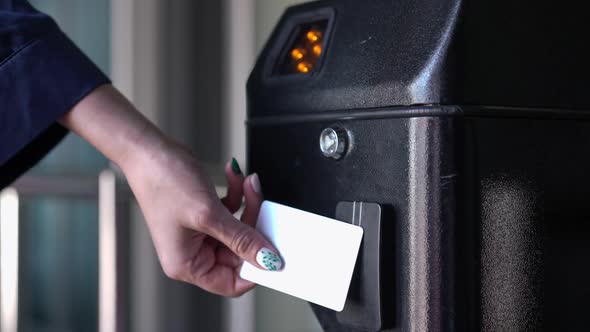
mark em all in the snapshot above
pixel 268 13
pixel 166 58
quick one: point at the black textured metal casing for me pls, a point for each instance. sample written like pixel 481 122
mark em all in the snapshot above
pixel 470 121
pixel 399 53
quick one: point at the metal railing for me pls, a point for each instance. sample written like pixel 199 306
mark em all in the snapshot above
pixel 114 199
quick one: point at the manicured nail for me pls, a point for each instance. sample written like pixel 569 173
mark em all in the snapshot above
pixel 235 166
pixel 269 260
pixel 255 182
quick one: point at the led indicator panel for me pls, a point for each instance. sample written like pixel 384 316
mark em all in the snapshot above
pixel 304 50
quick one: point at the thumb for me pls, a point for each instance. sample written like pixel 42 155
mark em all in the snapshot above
pixel 248 244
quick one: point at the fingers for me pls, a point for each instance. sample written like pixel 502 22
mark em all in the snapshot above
pixel 213 268
pixel 235 180
pixel 241 237
pixel 253 193
pixel 226 258
pixel 223 280
pixel 242 286
pixel 247 243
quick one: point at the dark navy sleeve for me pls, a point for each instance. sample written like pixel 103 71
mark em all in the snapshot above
pixel 42 76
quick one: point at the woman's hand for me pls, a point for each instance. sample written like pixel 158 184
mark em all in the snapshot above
pixel 195 234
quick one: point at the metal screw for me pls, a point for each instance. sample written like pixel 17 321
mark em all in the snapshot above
pixel 333 142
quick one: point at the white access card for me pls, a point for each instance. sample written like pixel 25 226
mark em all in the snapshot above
pixel 318 255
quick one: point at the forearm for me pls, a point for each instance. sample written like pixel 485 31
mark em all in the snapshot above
pixel 108 121
pixel 197 238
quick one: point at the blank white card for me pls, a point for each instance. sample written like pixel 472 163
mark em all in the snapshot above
pixel 318 255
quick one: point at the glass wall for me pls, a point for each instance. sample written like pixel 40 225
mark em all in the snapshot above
pixel 58 254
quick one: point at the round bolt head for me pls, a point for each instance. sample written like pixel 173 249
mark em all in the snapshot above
pixel 333 142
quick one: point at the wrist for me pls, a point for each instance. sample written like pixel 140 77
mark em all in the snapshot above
pixel 146 146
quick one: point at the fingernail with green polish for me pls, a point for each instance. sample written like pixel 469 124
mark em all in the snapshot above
pixel 235 166
pixel 269 260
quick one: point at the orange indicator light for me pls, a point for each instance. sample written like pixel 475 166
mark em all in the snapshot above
pixel 317 49
pixel 304 67
pixel 297 53
pixel 313 36
pixel 305 49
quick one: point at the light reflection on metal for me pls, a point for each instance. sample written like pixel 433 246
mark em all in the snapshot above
pixel 334 142
pixel 107 252
pixel 9 225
